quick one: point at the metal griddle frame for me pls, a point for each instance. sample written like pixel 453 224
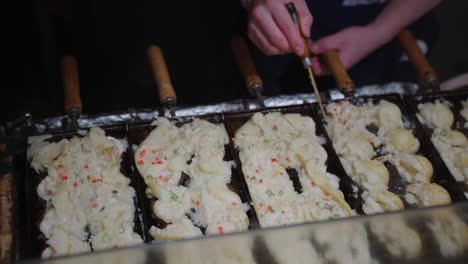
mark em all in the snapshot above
pixel 29 241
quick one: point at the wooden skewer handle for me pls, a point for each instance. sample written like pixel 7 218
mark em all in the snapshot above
pixel 245 62
pixel 337 69
pixel 161 75
pixel 409 44
pixel 71 83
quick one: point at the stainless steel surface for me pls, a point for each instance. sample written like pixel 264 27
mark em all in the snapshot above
pixel 394 87
pixel 306 62
pixel 170 103
pixel 432 84
pixel 258 94
pixel 133 113
pixel 105 119
pixel 73 115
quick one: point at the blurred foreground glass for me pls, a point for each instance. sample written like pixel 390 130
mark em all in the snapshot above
pixel 430 235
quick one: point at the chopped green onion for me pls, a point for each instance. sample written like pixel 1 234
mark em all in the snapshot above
pixel 352 166
pixel 102 209
pixel 252 178
pixel 270 193
pixel 174 197
pixel 267 141
pixel 443 133
pixel 82 147
pixel 149 177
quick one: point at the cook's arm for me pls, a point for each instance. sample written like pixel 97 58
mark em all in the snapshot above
pixel 355 43
pixel 398 14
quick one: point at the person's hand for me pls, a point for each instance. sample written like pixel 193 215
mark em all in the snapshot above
pixel 271 28
pixel 352 44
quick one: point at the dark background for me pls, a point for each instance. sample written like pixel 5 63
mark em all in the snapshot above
pixel 110 37
pixel 450 54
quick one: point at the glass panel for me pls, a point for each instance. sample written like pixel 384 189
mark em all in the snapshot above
pixel 423 235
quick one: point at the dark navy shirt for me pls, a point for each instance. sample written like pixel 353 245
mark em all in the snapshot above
pixel 333 15
pixel 284 73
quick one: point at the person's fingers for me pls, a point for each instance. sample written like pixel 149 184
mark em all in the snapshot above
pixel 324 44
pixel 318 68
pixel 347 60
pixel 284 21
pixel 309 44
pixel 263 18
pixel 345 56
pixel 305 18
pixel 258 38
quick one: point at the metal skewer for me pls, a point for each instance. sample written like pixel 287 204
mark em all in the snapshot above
pixel 314 85
pixel 306 57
